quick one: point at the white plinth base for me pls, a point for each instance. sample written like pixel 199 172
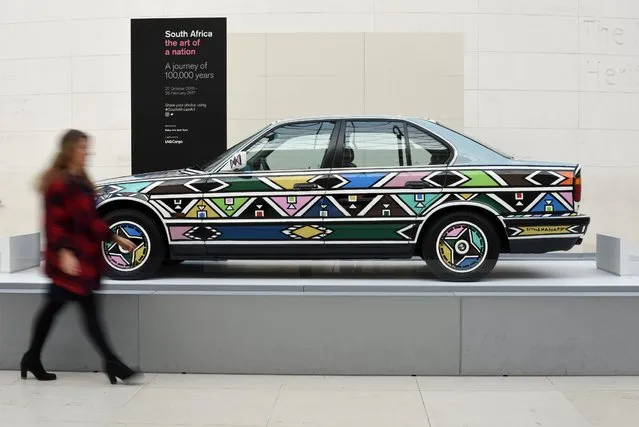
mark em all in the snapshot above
pixel 19 253
pixel 617 256
pixel 345 318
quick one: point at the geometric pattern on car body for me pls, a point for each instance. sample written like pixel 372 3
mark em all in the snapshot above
pixel 307 232
pixel 202 233
pixel 371 204
pixel 401 231
pixel 376 194
pixel 354 204
pixel 350 232
pixel 361 180
pixel 389 204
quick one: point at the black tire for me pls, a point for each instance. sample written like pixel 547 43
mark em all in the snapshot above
pixel 467 259
pixel 154 254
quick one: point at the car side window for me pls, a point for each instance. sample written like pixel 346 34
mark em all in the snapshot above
pixel 426 150
pixel 290 147
pixel 374 143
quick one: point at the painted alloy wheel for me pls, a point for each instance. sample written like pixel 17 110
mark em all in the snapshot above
pixel 462 247
pixel 122 260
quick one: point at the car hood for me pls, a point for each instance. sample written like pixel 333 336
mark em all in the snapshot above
pixel 149 176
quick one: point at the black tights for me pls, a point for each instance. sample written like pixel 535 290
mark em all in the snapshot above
pixel 56 299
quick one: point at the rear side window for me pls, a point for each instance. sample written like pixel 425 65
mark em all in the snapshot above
pixel 384 143
pixel 374 144
pixel 426 150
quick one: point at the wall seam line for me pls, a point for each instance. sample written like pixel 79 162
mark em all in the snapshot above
pixel 579 91
pixel 461 336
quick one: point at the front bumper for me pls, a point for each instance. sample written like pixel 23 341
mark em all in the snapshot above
pixel 536 234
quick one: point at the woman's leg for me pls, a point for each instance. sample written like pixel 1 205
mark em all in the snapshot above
pixel 42 325
pixel 93 326
pixel 113 367
pixel 31 361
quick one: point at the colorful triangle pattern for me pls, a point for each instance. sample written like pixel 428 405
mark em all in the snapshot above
pixel 419 202
pixel 230 205
pixel 548 204
pixel 362 180
pixel 202 210
pixel 479 179
pixel 324 208
pixel 292 204
pixel 133 187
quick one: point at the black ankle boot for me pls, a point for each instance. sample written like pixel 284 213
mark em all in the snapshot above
pixel 33 365
pixel 115 370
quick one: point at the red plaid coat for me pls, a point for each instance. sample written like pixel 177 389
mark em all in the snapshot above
pixel 72 222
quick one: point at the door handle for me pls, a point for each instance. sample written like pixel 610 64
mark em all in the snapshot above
pixel 305 186
pixel 416 184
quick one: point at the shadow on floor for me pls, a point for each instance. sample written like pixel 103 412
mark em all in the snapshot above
pixel 401 270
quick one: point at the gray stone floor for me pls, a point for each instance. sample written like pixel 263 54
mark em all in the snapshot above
pixel 209 400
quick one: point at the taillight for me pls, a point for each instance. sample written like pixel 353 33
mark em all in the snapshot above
pixel 576 191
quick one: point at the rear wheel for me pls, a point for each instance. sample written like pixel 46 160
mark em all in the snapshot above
pixel 145 260
pixel 461 247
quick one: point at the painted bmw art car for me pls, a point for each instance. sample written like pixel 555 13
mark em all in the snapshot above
pixel 362 187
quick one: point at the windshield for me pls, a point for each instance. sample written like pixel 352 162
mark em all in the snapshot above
pixel 212 164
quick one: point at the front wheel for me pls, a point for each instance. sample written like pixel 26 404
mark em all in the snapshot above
pixel 145 260
pixel 461 247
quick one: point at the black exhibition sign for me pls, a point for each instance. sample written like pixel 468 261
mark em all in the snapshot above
pixel 178 92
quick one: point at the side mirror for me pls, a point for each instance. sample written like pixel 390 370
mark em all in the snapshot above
pixel 237 162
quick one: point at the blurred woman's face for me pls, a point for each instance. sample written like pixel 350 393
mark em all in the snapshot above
pixel 80 153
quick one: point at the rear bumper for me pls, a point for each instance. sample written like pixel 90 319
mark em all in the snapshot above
pixel 540 234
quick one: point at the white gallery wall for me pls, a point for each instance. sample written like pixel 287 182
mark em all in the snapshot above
pixel 551 79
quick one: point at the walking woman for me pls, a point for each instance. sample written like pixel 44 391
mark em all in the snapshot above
pixel 74 235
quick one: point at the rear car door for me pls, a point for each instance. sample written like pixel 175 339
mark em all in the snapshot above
pixel 273 208
pixel 380 185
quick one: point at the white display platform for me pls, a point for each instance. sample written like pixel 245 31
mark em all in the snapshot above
pixel 356 276
pixel 369 318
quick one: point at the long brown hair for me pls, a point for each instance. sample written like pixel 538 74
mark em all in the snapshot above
pixel 59 168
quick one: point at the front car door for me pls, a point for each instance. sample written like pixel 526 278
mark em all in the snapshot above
pixel 274 207
pixel 387 173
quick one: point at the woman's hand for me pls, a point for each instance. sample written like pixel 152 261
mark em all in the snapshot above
pixel 126 244
pixel 68 262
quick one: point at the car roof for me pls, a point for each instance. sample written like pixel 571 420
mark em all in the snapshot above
pixel 352 117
